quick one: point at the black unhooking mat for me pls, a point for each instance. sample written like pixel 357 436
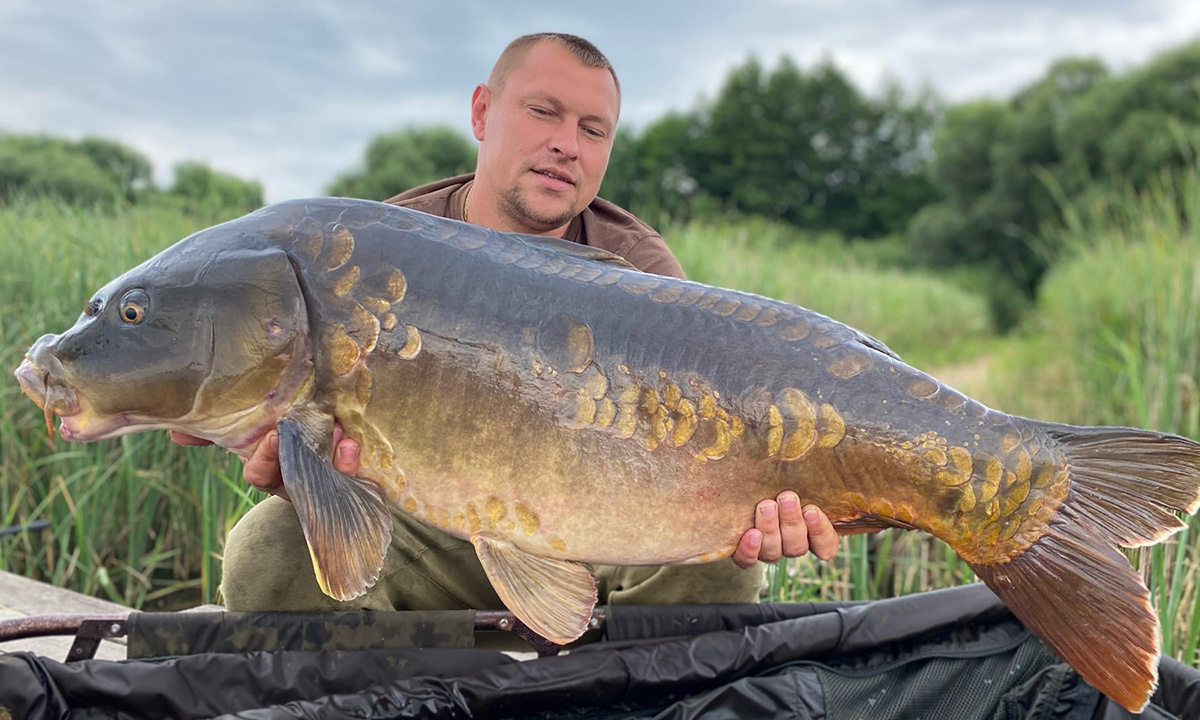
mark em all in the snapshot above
pixel 952 654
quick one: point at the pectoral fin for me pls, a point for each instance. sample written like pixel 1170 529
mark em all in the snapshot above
pixel 553 597
pixel 346 520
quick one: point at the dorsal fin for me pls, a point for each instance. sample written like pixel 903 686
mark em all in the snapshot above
pixel 875 344
pixel 583 252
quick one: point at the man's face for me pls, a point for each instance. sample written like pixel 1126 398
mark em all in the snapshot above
pixel 545 138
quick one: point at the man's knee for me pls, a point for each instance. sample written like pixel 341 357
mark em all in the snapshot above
pixel 716 582
pixel 267 567
pixel 267 564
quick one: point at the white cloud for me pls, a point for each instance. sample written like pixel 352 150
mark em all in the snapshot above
pixel 290 93
pixel 965 50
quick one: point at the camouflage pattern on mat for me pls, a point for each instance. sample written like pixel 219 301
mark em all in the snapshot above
pixel 174 634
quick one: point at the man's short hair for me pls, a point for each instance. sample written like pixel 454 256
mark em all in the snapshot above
pixel 587 53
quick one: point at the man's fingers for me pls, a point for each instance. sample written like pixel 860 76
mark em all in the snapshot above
pixel 345 457
pixel 792 528
pixel 262 468
pixel 345 452
pixel 822 538
pixel 189 440
pixel 746 555
pixel 766 520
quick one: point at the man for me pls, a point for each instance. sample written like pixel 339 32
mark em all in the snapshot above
pixel 545 123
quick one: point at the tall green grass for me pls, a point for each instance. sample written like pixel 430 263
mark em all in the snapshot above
pixel 927 319
pixel 1116 341
pixel 1127 299
pixel 139 520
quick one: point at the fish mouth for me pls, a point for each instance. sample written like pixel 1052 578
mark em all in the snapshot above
pixel 55 397
pixel 52 396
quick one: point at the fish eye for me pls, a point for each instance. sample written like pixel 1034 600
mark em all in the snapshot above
pixel 134 306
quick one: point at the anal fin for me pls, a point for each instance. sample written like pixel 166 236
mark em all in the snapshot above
pixel 869 523
pixel 553 597
pixel 345 520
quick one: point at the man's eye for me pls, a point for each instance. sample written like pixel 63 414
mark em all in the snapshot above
pixel 540 110
pixel 598 134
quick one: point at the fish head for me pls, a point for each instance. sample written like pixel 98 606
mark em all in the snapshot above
pixel 204 339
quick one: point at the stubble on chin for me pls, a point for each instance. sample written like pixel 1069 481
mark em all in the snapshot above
pixel 515 207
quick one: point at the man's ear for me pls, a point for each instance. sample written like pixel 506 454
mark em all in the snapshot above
pixel 481 100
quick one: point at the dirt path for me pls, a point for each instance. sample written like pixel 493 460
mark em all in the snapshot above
pixel 969 378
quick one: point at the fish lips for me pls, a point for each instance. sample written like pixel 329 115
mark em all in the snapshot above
pixel 39 376
pixel 58 398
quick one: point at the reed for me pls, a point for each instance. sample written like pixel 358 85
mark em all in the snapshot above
pixel 138 520
pixel 1116 341
pixel 928 320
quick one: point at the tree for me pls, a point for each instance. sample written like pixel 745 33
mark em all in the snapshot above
pixel 896 182
pixel 200 187
pixel 651 173
pixel 962 149
pixel 128 168
pixel 402 160
pixel 85 172
pixel 1131 126
pixel 1007 166
pixel 806 147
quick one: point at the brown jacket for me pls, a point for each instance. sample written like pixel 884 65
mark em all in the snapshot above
pixel 601 224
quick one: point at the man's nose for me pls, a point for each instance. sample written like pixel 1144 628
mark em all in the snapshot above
pixel 565 139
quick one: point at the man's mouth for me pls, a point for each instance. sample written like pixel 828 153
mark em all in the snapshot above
pixel 555 175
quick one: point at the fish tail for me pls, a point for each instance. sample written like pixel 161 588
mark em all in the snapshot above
pixel 1073 588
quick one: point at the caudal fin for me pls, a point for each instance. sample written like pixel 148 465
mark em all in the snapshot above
pixel 1073 588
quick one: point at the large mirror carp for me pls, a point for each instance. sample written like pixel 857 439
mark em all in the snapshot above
pixel 556 407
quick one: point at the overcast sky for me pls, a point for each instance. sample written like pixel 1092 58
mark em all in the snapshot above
pixel 290 93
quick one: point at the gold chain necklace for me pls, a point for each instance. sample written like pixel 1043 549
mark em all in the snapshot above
pixel 466 200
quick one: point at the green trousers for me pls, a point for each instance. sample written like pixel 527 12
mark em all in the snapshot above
pixel 267 567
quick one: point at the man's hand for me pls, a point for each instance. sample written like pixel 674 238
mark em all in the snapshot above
pixel 781 528
pixel 262 468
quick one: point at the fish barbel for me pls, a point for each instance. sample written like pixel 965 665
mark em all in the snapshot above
pixel 556 407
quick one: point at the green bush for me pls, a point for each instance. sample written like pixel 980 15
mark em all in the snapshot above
pixel 200 188
pixel 88 172
pixel 398 161
pixel 139 519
